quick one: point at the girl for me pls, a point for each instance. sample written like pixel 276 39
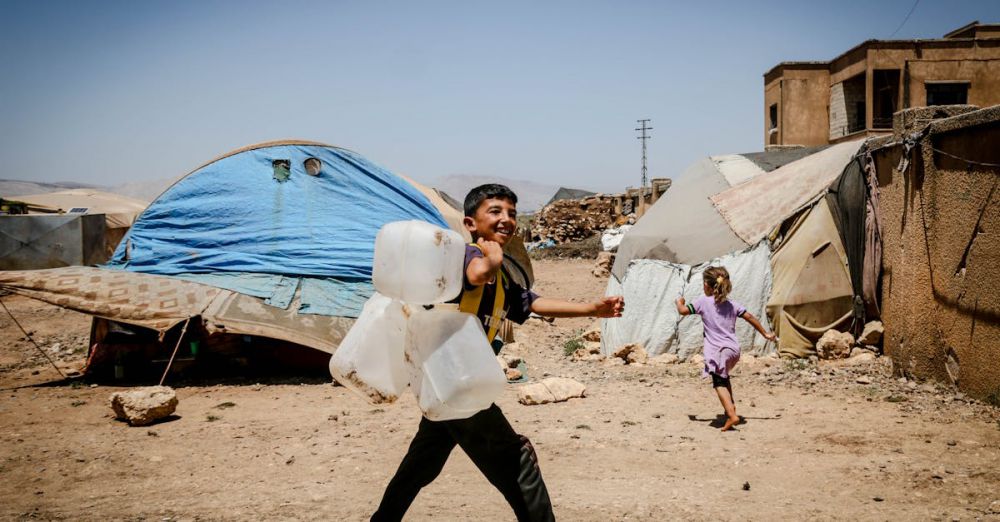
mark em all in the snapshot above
pixel 722 349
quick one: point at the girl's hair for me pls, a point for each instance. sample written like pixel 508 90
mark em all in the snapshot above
pixel 717 278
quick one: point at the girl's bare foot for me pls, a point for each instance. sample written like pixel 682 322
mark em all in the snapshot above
pixel 730 422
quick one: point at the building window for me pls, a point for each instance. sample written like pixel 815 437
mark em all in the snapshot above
pixel 774 116
pixel 885 97
pixel 947 93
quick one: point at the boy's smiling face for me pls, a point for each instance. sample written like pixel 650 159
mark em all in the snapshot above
pixel 495 220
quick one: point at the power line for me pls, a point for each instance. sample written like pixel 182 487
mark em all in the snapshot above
pixel 907 17
pixel 643 128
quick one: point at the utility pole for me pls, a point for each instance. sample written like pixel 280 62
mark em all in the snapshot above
pixel 643 128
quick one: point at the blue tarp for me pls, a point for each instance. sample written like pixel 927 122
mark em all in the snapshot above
pixel 239 224
pixel 234 216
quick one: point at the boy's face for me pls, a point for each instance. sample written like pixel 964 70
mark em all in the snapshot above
pixel 495 220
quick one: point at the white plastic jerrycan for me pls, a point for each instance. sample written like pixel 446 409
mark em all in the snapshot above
pixel 457 361
pixel 427 399
pixel 418 263
pixel 370 358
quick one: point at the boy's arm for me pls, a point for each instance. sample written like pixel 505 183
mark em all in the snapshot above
pixel 606 307
pixel 749 317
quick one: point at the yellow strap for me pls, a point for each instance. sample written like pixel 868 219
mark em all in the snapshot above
pixel 471 299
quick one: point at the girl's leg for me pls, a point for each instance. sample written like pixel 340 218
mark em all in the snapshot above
pixel 725 391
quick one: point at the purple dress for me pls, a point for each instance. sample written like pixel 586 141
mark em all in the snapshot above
pixel 722 349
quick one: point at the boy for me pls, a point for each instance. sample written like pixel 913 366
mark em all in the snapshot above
pixel 506 458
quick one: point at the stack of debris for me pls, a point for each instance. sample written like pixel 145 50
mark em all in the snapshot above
pixel 573 219
pixel 842 345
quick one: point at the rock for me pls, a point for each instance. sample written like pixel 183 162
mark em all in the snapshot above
pixel 513 374
pixel 872 334
pixel 602 267
pixel 638 355
pixel 697 359
pixel 564 389
pixel 593 335
pixel 664 359
pixel 834 345
pixel 510 361
pixel 863 380
pixel 592 347
pixel 622 351
pixel 533 394
pixel 614 361
pixel 864 357
pixel 144 406
pixel 552 389
pixel 580 354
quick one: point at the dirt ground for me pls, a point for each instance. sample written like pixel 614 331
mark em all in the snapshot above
pixel 819 442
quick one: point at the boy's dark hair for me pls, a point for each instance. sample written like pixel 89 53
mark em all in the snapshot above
pixel 476 196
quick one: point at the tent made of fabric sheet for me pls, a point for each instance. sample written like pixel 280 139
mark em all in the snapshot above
pixel 812 290
pixel 683 226
pixel 37 241
pixel 119 211
pixel 651 286
pixel 753 208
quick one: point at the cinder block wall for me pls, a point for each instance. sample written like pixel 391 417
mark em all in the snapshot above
pixel 940 224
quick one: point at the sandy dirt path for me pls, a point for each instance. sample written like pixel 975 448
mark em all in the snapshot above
pixel 817 443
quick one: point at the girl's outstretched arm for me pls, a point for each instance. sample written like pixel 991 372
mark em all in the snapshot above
pixel 749 317
pixel 682 307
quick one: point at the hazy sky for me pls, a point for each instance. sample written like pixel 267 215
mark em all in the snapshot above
pixel 110 92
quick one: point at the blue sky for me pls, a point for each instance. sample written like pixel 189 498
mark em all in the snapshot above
pixel 112 92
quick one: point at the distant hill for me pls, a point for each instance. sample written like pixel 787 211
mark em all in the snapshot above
pixel 14 187
pixel 531 196
pixel 146 190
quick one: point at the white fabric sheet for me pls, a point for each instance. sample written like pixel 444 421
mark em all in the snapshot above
pixel 651 319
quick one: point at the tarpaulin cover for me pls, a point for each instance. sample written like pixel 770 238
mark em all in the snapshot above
pixel 757 206
pixel 235 215
pixel 651 318
pixel 812 285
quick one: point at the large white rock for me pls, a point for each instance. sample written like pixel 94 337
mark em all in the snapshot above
pixel 872 334
pixel 144 406
pixel 834 345
pixel 552 389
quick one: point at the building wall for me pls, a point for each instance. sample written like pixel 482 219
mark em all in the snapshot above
pixel 801 95
pixel 811 96
pixel 940 224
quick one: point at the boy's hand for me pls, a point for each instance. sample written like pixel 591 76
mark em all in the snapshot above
pixel 611 306
pixel 770 336
pixel 492 251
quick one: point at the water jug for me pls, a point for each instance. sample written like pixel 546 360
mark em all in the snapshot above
pixel 429 403
pixel 457 361
pixel 418 263
pixel 369 359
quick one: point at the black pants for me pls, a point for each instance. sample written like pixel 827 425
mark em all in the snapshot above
pixel 506 458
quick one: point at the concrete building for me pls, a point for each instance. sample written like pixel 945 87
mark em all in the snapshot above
pixel 855 94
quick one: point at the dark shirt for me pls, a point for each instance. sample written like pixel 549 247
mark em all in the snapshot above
pixel 517 300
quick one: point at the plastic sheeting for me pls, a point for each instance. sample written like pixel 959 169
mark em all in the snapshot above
pixel 234 215
pixel 612 237
pixel 651 286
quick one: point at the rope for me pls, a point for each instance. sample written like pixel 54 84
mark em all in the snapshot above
pixel 968 161
pixel 26 334
pixel 178 345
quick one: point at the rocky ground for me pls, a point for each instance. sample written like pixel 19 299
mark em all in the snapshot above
pixel 820 440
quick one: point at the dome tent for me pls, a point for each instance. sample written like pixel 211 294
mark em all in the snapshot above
pixel 255 242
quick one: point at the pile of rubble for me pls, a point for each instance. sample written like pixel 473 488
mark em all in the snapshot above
pixel 569 220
